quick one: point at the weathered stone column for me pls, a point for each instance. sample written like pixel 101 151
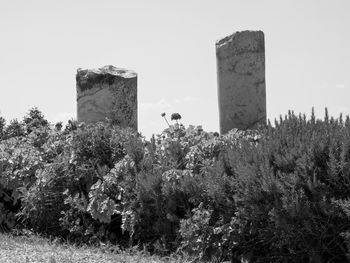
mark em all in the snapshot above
pixel 107 92
pixel 241 80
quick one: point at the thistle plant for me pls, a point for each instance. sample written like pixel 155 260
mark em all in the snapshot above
pixel 176 117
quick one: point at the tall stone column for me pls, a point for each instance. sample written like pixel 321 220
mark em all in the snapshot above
pixel 107 92
pixel 241 80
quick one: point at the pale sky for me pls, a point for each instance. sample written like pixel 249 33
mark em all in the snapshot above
pixel 171 46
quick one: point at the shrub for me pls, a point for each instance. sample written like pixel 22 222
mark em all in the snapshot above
pixel 275 194
pixel 289 196
pixel 14 129
pixel 19 162
pixel 34 119
pixel 168 185
pixel 76 187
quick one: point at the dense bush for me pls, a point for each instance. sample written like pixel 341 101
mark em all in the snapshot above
pixel 276 194
pixel 289 196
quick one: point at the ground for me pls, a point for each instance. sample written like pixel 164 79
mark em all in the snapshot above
pixel 35 249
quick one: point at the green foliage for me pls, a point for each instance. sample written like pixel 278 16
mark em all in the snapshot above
pixel 277 194
pixel 14 129
pixel 19 162
pixel 58 126
pixel 72 125
pixel 289 196
pixel 76 188
pixel 169 184
pixel 34 119
pixel 2 127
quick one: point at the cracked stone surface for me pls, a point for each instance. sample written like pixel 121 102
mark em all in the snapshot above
pixel 107 92
pixel 241 80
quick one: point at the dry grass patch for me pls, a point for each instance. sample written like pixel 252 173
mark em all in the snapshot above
pixel 36 249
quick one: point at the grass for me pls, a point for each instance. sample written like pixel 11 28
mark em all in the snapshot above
pixel 36 249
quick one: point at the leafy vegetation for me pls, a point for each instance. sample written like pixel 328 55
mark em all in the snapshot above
pixel 276 194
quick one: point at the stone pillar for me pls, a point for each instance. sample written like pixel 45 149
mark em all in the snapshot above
pixel 107 92
pixel 241 80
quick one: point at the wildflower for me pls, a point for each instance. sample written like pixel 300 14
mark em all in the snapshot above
pixel 175 116
pixel 163 115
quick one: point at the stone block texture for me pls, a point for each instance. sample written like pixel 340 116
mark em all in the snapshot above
pixel 107 93
pixel 241 80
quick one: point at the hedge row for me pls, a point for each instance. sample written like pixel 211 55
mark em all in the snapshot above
pixel 276 194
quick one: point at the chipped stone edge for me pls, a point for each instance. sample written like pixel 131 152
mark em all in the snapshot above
pixel 109 69
pixel 228 39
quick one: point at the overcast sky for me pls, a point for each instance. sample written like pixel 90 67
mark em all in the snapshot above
pixel 171 45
